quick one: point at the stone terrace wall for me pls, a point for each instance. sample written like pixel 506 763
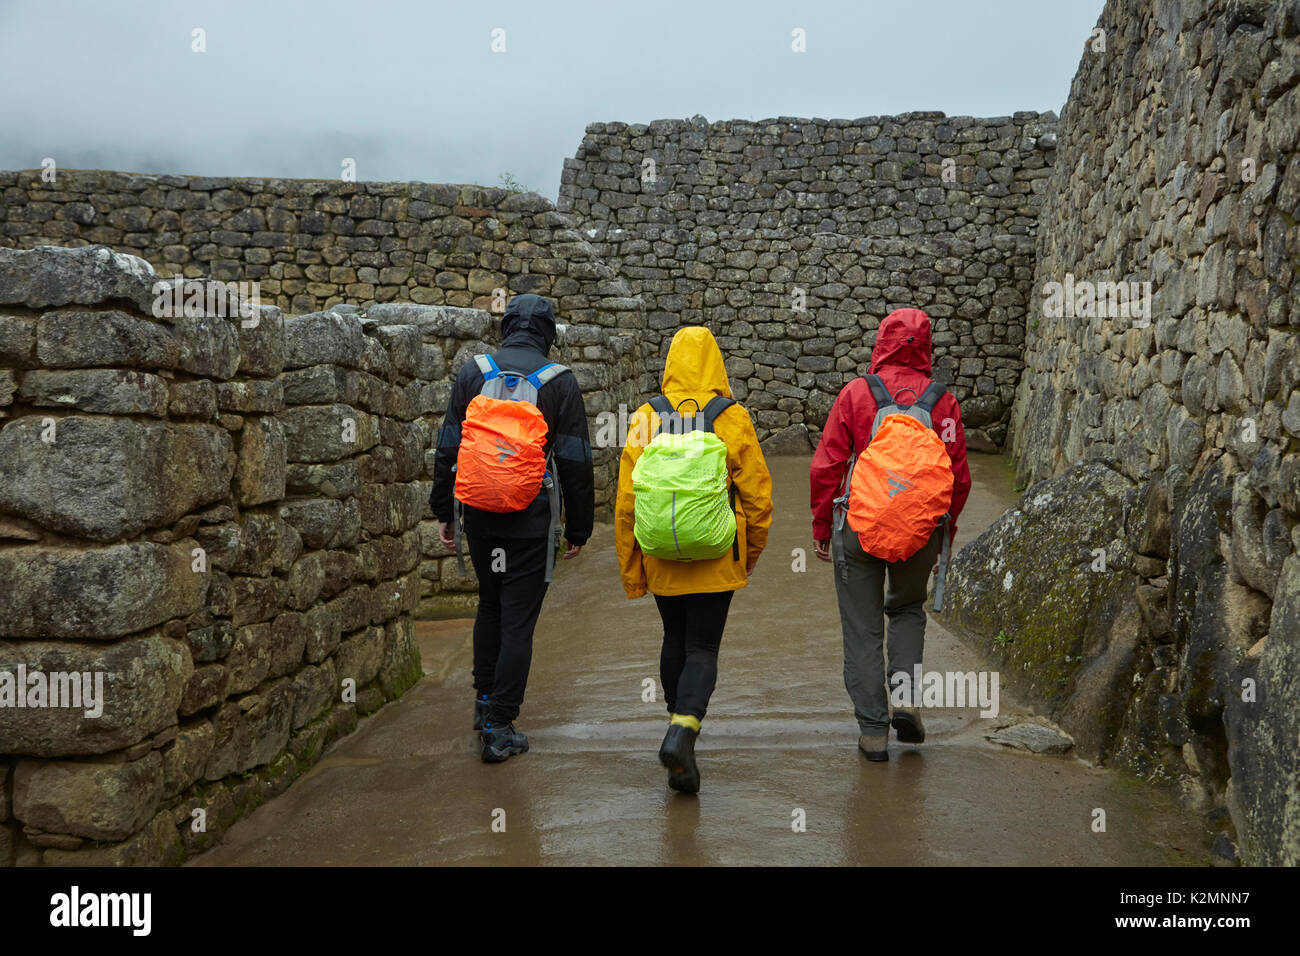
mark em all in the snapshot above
pixel 857 213
pixel 1196 416
pixel 313 243
pixel 230 523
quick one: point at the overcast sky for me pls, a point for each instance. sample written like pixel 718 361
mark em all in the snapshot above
pixel 412 90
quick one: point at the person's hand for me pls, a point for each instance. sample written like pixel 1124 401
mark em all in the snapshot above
pixel 445 535
pixel 822 546
pixel 749 568
pixel 573 551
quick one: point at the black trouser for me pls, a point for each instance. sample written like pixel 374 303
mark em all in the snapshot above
pixel 688 662
pixel 511 584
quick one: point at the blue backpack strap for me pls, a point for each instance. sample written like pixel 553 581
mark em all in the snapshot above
pixel 930 397
pixel 488 366
pixel 715 407
pixel 878 391
pixel 546 373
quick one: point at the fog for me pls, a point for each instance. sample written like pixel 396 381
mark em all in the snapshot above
pixel 414 90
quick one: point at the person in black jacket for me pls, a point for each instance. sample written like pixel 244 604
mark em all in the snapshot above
pixel 511 590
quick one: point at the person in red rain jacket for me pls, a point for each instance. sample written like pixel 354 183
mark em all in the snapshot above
pixel 901 358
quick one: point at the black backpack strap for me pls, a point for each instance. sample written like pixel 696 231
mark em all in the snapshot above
pixel 930 397
pixel 878 391
pixel 715 407
pixel 664 409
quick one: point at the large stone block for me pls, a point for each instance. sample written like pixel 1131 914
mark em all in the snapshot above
pixel 1032 590
pixel 325 433
pixel 289 633
pixel 305 581
pixel 441 321
pixel 1264 792
pixel 320 385
pixel 315 689
pixel 85 339
pixel 316 519
pixel 360 656
pixel 97 800
pixel 791 440
pixel 17 341
pixel 108 478
pixel 249 660
pixel 262 543
pixel 323 338
pixel 251 731
pixel 256 396
pixel 134 687
pixel 324 631
pixel 335 480
pixel 401 666
pixel 391 509
pixel 261 470
pixel 208 686
pixel 54 276
pixel 209 346
pixel 105 391
pixel 185 757
pixel 99 593
pixel 157 843
pixel 257 599
pixel 261 346
pixel 403 343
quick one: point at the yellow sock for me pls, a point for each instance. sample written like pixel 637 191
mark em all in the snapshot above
pixel 685 720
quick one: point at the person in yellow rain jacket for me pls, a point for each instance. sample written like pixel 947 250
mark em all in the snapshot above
pixel 693 596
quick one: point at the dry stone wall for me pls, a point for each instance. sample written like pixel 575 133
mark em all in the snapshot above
pixel 729 223
pixel 1171 447
pixel 311 244
pixel 225 519
pixel 314 244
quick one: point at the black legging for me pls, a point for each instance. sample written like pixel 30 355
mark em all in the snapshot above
pixel 688 662
pixel 511 585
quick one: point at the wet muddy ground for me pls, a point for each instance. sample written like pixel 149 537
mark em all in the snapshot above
pixel 778 747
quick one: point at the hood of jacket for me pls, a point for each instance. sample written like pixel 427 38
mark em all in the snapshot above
pixel 694 368
pixel 903 340
pixel 529 320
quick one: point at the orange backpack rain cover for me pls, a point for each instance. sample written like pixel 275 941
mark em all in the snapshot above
pixel 901 487
pixel 502 457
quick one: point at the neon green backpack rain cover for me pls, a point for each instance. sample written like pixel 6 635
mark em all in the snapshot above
pixel 683 508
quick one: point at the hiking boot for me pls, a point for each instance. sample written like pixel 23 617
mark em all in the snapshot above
pixel 677 753
pixel 875 747
pixel 480 711
pixel 907 723
pixel 501 742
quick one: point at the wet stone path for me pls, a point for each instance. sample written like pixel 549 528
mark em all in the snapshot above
pixel 778 749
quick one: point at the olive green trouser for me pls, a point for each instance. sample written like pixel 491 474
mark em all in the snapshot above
pixel 864 604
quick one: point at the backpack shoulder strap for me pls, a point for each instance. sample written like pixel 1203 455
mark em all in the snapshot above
pixel 878 391
pixel 546 373
pixel 715 407
pixel 664 409
pixel 930 397
pixel 488 366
